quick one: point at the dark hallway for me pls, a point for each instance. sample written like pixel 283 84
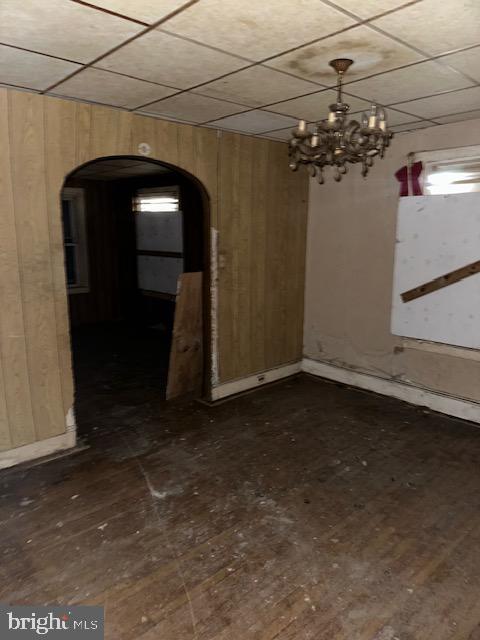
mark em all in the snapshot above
pixel 131 228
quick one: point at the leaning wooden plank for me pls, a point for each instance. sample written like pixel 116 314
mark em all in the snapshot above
pixel 186 355
pixel 441 282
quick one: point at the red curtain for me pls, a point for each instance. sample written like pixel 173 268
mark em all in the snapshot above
pixel 413 172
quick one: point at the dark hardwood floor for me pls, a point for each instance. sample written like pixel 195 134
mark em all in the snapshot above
pixel 303 510
pixel 118 367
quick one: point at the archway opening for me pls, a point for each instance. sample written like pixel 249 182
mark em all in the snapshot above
pixel 136 253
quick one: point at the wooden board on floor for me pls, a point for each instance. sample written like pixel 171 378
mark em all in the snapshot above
pixel 186 354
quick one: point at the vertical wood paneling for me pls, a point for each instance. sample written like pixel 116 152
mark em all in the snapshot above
pixel 257 205
pixel 166 141
pixel 229 185
pixel 5 438
pixel 262 223
pixel 144 130
pixel 281 264
pixel 186 148
pixel 297 206
pixel 111 133
pixel 274 262
pixel 26 116
pixel 205 166
pixel 81 135
pixel 257 241
pixel 105 214
pixel 16 402
pixel 59 123
pixel 242 255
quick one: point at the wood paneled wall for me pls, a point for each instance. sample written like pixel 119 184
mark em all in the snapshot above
pixel 111 257
pixel 256 204
pixel 262 230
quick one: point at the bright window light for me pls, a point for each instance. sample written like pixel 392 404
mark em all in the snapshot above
pixel 157 201
pixel 453 176
pixel 443 189
pixel 447 177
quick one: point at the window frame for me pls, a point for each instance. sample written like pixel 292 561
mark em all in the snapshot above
pixel 453 155
pixel 76 195
pixel 153 254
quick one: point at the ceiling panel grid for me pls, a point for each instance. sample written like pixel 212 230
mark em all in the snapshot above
pixel 252 67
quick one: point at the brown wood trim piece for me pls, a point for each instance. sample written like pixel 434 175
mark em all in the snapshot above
pixel 441 282
pixel 164 254
pixel 158 294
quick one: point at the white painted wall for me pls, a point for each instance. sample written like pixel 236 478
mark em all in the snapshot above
pixel 349 275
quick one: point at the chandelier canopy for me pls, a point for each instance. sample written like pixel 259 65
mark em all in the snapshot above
pixel 338 141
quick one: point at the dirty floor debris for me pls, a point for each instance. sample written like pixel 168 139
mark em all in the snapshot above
pixel 303 510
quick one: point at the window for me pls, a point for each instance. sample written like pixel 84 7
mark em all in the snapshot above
pixel 159 229
pixel 75 240
pixel 451 170
pixel 156 200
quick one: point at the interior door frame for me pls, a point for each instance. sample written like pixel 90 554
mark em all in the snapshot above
pixel 208 363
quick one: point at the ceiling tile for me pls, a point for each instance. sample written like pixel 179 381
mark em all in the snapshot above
pixel 281 134
pixel 445 104
pixel 65 29
pixel 169 60
pixel 194 108
pixel 369 8
pixel 394 117
pixel 32 70
pixel 145 112
pixel 145 10
pixel 253 122
pixel 467 62
pixel 423 124
pixel 315 106
pixel 257 30
pixel 109 88
pixel 405 84
pixel 371 52
pixel 459 117
pixel 435 26
pixel 257 86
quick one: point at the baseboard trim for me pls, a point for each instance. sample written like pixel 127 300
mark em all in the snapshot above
pixel 257 380
pixel 42 448
pixel 436 401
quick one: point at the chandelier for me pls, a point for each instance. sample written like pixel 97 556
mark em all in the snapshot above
pixel 337 141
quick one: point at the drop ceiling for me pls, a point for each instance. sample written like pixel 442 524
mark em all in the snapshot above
pixel 248 66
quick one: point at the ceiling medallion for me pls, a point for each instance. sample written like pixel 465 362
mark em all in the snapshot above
pixel 338 141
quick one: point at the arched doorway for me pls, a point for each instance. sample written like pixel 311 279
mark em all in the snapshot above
pixel 133 229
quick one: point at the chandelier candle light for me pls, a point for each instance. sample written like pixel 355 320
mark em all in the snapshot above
pixel 338 141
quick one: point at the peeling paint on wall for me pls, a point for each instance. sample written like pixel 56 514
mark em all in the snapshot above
pixel 70 422
pixel 214 304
